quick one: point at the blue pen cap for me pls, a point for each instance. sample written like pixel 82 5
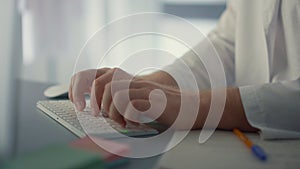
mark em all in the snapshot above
pixel 259 152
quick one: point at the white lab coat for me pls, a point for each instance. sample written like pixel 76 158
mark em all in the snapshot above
pixel 258 42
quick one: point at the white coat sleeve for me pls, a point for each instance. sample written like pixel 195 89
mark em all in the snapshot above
pixel 222 38
pixel 274 108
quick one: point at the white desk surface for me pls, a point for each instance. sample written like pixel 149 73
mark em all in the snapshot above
pixel 225 150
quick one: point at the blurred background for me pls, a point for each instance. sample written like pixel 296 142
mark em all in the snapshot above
pixel 41 39
pixel 53 31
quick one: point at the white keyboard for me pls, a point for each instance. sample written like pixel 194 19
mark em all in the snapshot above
pixel 83 123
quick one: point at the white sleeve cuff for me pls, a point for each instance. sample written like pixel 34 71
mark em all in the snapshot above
pixel 258 116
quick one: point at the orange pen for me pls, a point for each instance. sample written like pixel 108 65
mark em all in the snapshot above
pixel 257 151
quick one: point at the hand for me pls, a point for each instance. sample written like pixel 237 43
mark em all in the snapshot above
pixel 81 83
pixel 126 100
pixel 142 97
pixel 90 81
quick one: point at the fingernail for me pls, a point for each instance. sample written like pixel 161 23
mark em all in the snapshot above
pixel 79 105
pixel 104 114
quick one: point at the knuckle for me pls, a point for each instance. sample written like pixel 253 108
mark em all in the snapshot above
pixel 98 82
pixel 116 69
pixel 113 70
pixel 102 70
pixel 135 103
pixel 148 90
pixel 105 69
pixel 78 74
pixel 107 86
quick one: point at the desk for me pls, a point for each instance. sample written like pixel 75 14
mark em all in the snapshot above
pixel 35 129
pixel 225 150
pixel 222 150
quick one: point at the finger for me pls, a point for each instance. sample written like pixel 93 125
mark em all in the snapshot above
pixel 93 101
pixel 135 91
pixel 95 106
pixel 98 89
pixel 135 109
pixel 107 97
pixel 116 116
pixel 101 71
pixel 112 88
pixel 120 102
pixel 78 91
pixel 81 83
pixel 70 89
pixel 122 98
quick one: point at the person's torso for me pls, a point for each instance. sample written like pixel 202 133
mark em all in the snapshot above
pixel 275 56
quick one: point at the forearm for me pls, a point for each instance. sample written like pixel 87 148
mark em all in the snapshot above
pixel 233 114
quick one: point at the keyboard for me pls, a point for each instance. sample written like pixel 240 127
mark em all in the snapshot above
pixel 83 123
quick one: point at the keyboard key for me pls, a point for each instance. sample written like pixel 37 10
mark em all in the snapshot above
pixel 102 126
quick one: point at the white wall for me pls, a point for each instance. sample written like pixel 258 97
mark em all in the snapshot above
pixel 8 50
pixel 5 33
pixel 55 30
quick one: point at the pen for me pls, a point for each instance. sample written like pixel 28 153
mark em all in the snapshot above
pixel 257 150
